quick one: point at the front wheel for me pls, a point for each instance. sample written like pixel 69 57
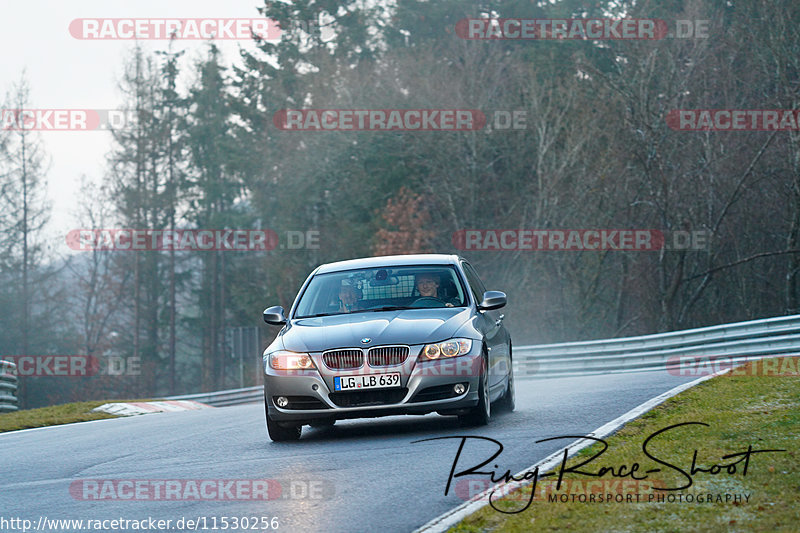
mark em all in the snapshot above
pixel 480 414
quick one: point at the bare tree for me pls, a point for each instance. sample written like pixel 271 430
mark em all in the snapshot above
pixel 25 211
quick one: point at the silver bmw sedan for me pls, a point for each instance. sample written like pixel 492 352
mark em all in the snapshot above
pixel 380 336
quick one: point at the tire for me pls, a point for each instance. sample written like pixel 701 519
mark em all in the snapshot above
pixel 276 432
pixel 480 414
pixel 508 401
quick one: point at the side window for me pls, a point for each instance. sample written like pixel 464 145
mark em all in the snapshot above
pixel 475 283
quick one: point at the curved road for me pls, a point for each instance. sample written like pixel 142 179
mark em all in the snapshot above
pixel 360 475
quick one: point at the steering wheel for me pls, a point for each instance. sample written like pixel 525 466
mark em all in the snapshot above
pixel 426 301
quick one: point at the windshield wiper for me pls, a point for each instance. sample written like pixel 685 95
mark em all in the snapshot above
pixel 384 308
pixel 318 315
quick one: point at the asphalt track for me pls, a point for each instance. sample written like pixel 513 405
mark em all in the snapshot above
pixel 360 475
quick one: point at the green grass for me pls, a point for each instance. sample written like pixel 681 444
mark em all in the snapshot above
pixel 742 410
pixel 52 416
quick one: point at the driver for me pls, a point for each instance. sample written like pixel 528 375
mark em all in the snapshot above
pixel 349 296
pixel 428 287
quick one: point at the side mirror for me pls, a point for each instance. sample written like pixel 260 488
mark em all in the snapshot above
pixel 492 300
pixel 274 315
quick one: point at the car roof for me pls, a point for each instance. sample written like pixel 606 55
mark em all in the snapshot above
pixel 389 260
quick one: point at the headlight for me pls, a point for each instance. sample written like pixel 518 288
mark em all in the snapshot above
pixel 443 350
pixel 283 360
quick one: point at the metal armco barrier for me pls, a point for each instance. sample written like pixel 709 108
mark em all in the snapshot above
pixel 738 342
pixel 225 397
pixel 8 386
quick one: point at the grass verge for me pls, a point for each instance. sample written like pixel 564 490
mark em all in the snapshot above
pixel 741 410
pixel 54 415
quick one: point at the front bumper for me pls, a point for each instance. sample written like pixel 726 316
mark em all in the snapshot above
pixel 425 387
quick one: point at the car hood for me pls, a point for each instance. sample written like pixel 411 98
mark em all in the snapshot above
pixel 409 326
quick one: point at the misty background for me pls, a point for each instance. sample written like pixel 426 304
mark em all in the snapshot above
pixel 597 152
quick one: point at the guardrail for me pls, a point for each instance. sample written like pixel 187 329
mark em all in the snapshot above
pixel 731 343
pixel 8 386
pixel 737 342
pixel 225 397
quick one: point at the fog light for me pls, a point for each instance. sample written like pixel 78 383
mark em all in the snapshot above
pixel 282 401
pixel 459 388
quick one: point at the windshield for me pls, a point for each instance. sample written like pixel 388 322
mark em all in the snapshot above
pixel 381 289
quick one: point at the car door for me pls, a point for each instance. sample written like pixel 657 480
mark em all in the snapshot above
pixel 490 323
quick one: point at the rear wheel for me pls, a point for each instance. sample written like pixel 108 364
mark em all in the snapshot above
pixel 277 432
pixel 480 414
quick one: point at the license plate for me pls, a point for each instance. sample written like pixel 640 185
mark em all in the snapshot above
pixel 369 381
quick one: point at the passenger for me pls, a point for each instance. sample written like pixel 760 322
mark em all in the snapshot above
pixel 349 297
